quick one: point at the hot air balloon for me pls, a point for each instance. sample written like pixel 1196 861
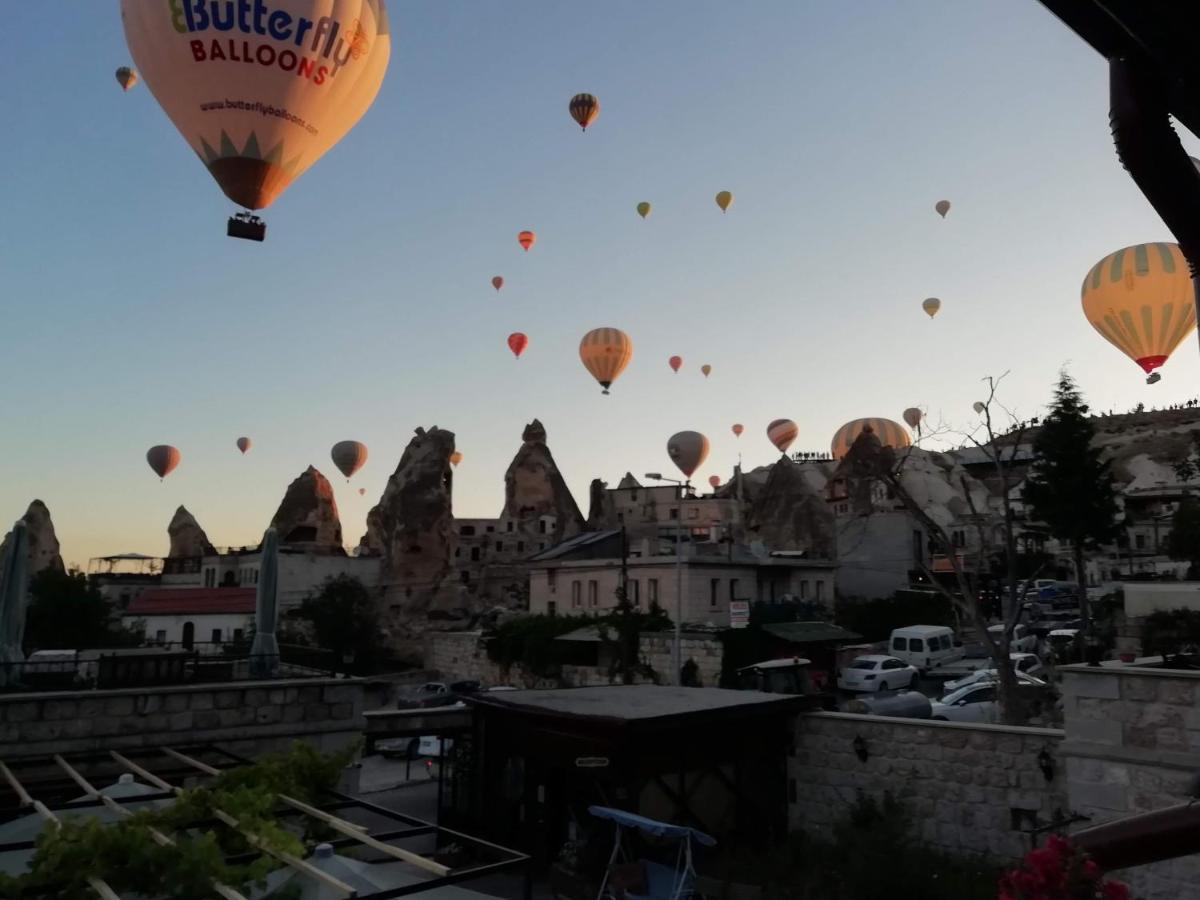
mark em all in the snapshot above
pixel 675 362
pixel 362 492
pixel 890 434
pixel 942 207
pixel 737 430
pixel 127 78
pixel 1140 300
pixel 913 417
pixel 605 352
pixel 244 444
pixel 643 209
pixel 260 98
pixel 526 239
pixel 706 369
pixel 714 481
pixel 979 406
pixel 724 200
pixel 931 306
pixel 349 457
pixel 688 450
pixel 497 282
pixel 584 109
pixel 781 433
pixel 163 458
pixel 455 458
pixel 517 342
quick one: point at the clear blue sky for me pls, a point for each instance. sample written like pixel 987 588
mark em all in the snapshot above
pixel 129 319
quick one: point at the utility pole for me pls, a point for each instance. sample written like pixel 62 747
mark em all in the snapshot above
pixel 677 649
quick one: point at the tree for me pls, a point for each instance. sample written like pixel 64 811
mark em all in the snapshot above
pixel 1183 543
pixel 345 620
pixel 1070 487
pixel 67 612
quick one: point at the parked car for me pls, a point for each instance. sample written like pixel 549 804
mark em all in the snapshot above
pixel 1044 624
pixel 432 693
pixel 975 702
pixel 1062 642
pixel 924 646
pixel 465 687
pixel 901 704
pixel 877 673
pixel 1027 666
pixel 1023 640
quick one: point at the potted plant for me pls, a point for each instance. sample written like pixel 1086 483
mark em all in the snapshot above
pixel 1059 871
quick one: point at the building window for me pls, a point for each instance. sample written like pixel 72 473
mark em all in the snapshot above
pixel 216 635
pixel 457 552
pixel 634 587
pixel 674 512
pixel 491 528
pixel 238 634
pixel 467 530
pixel 508 526
pixel 714 585
pixel 732 589
pixel 210 578
pixel 474 554
pixel 918 547
pixel 621 517
pixel 820 590
pixel 520 546
pixel 593 593
pixel 1139 541
pixel 160 636
pixel 960 539
pixel 804 590
pixel 693 513
pixel 542 526
pixel 551 608
pixel 576 593
pixel 552 580
pixel 633 496
pixel 499 546
pixel 652 590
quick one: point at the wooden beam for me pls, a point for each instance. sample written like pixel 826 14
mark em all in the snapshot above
pixel 194 763
pixel 18 788
pixel 294 862
pixel 143 773
pixel 96 884
pixel 84 784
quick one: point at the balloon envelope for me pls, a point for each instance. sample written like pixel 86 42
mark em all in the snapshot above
pixel 890 434
pixel 706 369
pixel 643 209
pixel 517 342
pixel 714 481
pixel 912 417
pixel 781 433
pixel 738 429
pixel 688 450
pixel 244 444
pixel 258 102
pixel 724 200
pixel 1140 300
pixel 675 362
pixel 455 458
pixel 126 78
pixel 362 492
pixel 584 109
pixel 497 282
pixel 605 352
pixel 931 306
pixel 349 457
pixel 526 239
pixel 942 207
pixel 163 458
pixel 979 407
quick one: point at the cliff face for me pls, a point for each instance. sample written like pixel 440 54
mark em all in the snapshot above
pixel 789 513
pixel 187 537
pixel 534 488
pixel 44 551
pixel 308 516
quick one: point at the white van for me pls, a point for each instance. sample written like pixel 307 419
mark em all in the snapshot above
pixel 924 646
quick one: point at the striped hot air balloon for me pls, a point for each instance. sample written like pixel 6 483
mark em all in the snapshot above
pixel 163 458
pixel 127 78
pixel 584 109
pixel 526 239
pixel 890 434
pixel 781 433
pixel 605 352
pixel 1140 300
pixel 349 457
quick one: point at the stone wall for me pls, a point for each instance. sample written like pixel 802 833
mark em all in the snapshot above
pixel 1133 745
pixel 959 782
pixel 248 717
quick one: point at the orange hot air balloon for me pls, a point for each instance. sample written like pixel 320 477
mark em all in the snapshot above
pixel 349 457
pixel 706 369
pixel 517 342
pixel 714 481
pixel 605 352
pixel 675 362
pixel 781 433
pixel 738 429
pixel 260 98
pixel 244 444
pixel 163 458
pixel 127 78
pixel 688 450
pixel 913 417
pixel 455 458
pixel 526 239
pixel 890 434
pixel 362 492
pixel 584 109
pixel 497 282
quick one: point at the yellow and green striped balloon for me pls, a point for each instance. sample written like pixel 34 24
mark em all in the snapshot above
pixel 1140 300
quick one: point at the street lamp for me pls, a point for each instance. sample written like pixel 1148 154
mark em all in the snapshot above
pixel 677 648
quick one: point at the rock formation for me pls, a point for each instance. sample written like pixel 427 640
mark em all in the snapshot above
pixel 188 539
pixel 598 505
pixel 308 516
pixel 43 542
pixel 534 488
pixel 789 513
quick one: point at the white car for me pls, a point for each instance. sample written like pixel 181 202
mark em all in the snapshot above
pixel 1022 641
pixel 973 703
pixel 878 673
pixel 1024 676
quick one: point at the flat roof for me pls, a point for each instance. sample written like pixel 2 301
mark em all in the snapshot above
pixel 811 632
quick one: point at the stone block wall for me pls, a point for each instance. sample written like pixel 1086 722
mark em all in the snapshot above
pixel 960 783
pixel 705 650
pixel 1133 745
pixel 249 717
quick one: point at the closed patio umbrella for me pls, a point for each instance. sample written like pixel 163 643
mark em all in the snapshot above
pixel 14 582
pixel 264 652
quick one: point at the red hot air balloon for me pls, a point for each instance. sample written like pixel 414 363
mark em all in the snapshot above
pixel 781 433
pixel 517 342
pixel 738 429
pixel 349 457
pixel 714 481
pixel 526 239
pixel 362 492
pixel 675 362
pixel 497 282
pixel 584 109
pixel 163 458
pixel 244 444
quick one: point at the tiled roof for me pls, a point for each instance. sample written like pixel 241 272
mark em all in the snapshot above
pixel 192 602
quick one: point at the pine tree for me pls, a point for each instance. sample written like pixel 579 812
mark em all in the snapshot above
pixel 1070 487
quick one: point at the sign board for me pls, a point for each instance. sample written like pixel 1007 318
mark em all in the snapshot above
pixel 739 613
pixel 591 762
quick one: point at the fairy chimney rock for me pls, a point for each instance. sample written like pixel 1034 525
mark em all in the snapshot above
pixel 308 516
pixel 44 551
pixel 535 489
pixel 188 539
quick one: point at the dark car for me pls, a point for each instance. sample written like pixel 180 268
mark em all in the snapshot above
pixel 458 688
pixel 430 694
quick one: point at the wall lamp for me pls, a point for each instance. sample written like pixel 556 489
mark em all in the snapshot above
pixel 1046 763
pixel 860 749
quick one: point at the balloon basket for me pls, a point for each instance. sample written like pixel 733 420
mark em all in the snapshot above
pixel 246 226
